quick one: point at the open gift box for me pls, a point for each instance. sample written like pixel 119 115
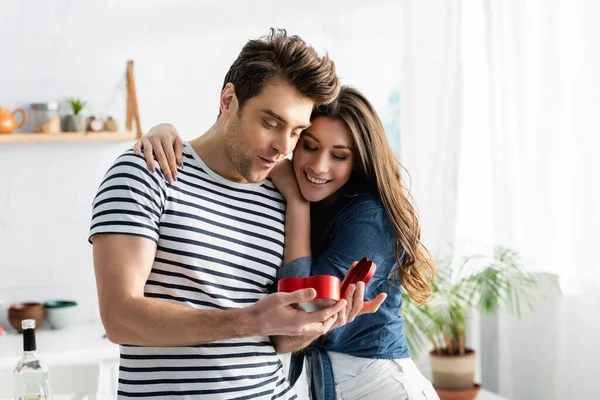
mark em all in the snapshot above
pixel 329 288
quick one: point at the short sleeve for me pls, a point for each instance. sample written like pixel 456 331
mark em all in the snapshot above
pixel 130 200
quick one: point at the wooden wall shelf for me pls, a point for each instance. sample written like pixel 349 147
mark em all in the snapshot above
pixel 133 115
pixel 67 137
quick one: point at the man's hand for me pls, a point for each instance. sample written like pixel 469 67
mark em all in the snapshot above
pixel 275 315
pixel 164 142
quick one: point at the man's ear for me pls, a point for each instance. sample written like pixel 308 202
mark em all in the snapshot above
pixel 228 99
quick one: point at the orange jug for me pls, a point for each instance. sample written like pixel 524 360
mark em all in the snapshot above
pixel 8 122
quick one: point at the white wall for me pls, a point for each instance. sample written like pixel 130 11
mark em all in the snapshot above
pixel 57 49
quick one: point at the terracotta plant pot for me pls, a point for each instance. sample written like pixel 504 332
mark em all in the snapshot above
pixel 453 372
pixel 465 394
pixel 20 311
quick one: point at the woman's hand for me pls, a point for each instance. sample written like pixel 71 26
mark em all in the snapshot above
pixel 284 179
pixel 164 142
pixel 355 303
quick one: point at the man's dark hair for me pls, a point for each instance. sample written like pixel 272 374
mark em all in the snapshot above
pixel 289 58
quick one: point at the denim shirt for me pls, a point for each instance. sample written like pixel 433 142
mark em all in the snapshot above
pixel 359 227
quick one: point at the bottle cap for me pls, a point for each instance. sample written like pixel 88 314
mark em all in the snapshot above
pixel 28 324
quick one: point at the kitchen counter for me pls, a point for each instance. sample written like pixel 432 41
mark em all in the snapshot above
pixel 83 345
pixel 69 353
pixel 74 345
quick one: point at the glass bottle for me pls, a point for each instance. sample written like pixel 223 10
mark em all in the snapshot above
pixel 31 374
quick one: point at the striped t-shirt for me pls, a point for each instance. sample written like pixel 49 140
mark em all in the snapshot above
pixel 220 245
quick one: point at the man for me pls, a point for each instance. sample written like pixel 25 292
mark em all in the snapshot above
pixel 183 271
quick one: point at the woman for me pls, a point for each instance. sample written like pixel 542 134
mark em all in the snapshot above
pixel 346 202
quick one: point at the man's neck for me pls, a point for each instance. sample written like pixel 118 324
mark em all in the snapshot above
pixel 211 150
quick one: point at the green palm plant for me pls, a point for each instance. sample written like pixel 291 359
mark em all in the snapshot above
pixel 474 283
pixel 77 105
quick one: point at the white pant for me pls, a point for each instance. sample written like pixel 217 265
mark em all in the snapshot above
pixel 388 379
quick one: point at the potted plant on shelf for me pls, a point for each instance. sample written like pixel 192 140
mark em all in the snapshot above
pixel 462 285
pixel 76 122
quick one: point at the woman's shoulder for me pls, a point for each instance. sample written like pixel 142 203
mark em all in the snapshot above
pixel 360 209
pixel 364 203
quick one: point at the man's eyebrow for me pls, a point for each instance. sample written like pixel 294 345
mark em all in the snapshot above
pixel 281 119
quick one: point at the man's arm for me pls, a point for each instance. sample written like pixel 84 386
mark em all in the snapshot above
pixel 122 264
pixel 290 344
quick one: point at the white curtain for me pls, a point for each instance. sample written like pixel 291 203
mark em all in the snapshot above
pixel 500 123
pixel 530 179
pixel 430 116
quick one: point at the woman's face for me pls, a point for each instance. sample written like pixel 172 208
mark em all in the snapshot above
pixel 323 158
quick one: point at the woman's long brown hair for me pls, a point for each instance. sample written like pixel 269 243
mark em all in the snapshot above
pixel 379 168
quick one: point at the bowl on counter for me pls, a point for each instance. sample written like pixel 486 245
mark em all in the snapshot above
pixel 61 314
pixel 20 311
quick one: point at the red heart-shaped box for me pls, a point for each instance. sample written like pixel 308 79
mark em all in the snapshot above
pixel 329 288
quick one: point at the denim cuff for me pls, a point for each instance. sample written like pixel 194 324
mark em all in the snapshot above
pixel 298 268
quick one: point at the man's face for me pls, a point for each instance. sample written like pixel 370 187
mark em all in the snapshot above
pixel 266 130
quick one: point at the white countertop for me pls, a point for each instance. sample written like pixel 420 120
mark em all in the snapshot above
pixel 57 347
pixel 66 352
pixel 81 344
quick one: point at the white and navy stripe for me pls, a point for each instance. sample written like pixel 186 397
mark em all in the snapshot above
pixel 219 246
